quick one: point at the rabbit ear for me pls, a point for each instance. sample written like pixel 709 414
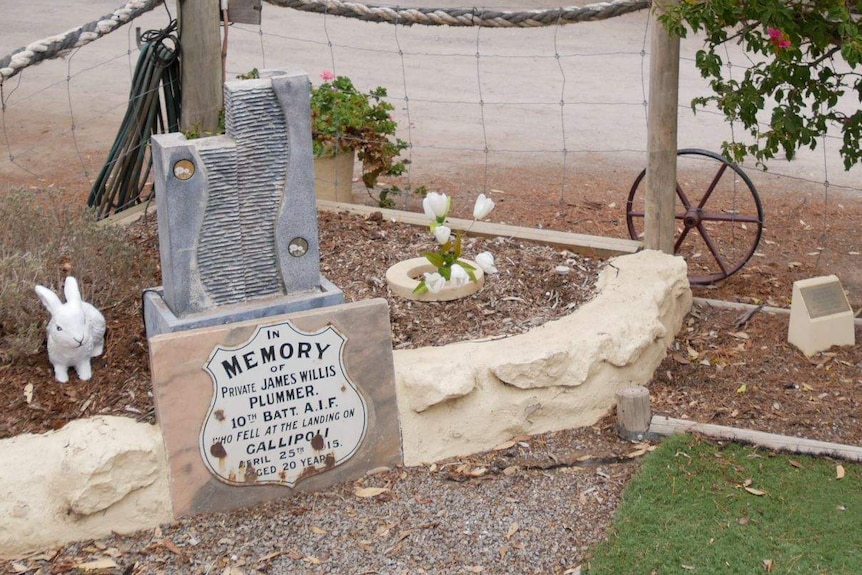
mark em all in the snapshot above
pixel 49 299
pixel 70 289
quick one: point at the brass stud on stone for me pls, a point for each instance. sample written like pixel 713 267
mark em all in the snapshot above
pixel 184 170
pixel 298 247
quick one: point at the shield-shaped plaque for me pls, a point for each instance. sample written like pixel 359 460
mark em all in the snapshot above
pixel 283 407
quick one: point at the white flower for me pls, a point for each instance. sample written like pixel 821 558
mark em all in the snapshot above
pixel 458 276
pixel 442 234
pixel 436 206
pixel 485 260
pixel 483 207
pixel 434 282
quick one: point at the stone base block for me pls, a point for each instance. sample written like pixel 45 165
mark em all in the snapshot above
pixel 260 409
pixel 159 318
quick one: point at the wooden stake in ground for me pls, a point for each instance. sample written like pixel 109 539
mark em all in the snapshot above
pixel 633 412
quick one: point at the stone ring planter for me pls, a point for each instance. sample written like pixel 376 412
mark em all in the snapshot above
pixel 404 276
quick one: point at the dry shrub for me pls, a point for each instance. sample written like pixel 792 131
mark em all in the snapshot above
pixel 42 240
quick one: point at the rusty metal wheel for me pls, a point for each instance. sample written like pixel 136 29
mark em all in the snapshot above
pixel 718 210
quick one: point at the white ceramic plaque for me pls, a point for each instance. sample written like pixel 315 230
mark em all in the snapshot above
pixel 283 407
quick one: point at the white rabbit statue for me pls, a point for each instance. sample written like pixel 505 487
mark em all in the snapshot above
pixel 76 331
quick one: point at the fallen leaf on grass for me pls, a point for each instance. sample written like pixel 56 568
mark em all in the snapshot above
pixel 742 388
pixel 839 472
pixel 795 464
pixel 767 564
pixel 366 492
pixel 754 491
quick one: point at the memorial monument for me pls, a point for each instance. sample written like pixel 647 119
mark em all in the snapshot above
pixel 264 381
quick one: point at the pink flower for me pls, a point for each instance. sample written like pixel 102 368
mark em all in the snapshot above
pixel 778 38
pixel 327 76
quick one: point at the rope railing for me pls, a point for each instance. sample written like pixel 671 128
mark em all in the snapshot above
pixel 466 16
pixel 58 45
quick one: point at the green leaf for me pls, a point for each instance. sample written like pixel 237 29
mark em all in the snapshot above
pixel 421 288
pixel 466 266
pixel 435 258
pixel 471 271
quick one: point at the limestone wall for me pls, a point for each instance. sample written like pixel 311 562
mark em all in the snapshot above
pixel 83 481
pixel 108 474
pixel 472 396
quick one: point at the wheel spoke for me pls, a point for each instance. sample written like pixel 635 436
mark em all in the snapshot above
pixel 642 214
pixel 711 188
pixel 682 197
pixel 713 248
pixel 705 216
pixel 680 239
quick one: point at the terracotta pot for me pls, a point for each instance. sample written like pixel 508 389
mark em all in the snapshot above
pixel 333 176
pixel 404 276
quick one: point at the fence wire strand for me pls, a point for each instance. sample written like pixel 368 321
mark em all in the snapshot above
pixel 488 103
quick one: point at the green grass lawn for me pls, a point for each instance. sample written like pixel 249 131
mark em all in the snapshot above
pixel 696 507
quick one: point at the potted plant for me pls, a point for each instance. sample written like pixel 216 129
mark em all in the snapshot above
pixel 344 122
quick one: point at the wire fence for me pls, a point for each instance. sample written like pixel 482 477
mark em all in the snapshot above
pixel 549 115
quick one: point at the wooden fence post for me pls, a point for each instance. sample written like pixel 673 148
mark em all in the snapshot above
pixel 659 225
pixel 203 97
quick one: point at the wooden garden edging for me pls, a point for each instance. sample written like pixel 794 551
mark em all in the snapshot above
pixel 583 244
pixel 661 425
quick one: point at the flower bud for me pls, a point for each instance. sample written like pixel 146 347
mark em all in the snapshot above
pixel 485 260
pixel 458 276
pixel 442 234
pixel 483 207
pixel 434 282
pixel 436 206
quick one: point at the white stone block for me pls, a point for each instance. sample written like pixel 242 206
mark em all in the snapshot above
pixel 820 315
pixel 89 479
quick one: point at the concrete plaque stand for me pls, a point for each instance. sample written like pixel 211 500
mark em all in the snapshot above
pixel 237 213
pixel 820 315
pixel 303 416
pixel 263 383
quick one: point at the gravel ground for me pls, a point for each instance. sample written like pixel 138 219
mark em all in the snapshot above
pixel 533 505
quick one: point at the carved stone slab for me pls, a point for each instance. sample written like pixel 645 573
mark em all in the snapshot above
pixel 260 409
